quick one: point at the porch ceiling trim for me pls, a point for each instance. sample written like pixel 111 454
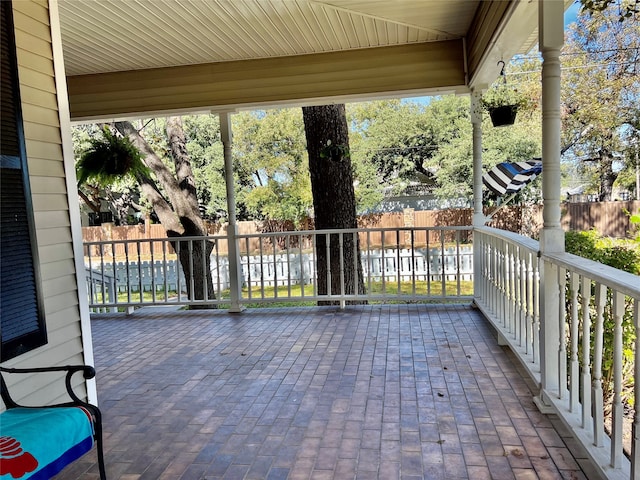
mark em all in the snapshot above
pixel 337 76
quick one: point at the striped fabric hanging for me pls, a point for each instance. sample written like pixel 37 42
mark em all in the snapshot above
pixel 511 177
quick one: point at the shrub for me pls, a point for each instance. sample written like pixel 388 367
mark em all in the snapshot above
pixel 620 254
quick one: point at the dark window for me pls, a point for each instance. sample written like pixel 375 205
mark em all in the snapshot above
pixel 23 327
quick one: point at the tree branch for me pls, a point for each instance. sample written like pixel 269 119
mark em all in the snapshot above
pixel 87 200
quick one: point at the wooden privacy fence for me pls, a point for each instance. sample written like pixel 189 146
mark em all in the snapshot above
pixel 608 218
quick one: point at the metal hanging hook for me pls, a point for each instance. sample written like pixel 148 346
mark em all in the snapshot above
pixel 502 73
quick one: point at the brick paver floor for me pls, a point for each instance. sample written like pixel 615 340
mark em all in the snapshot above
pixel 369 392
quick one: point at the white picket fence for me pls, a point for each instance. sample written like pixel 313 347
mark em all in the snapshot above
pixel 288 269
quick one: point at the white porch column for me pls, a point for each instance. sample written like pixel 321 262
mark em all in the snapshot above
pixel 476 121
pixel 235 272
pixel 551 28
pixel 478 216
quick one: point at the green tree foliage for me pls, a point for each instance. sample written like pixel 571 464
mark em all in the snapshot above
pixel 393 137
pixel 272 165
pixel 625 9
pixel 431 145
pixel 207 160
pixel 601 81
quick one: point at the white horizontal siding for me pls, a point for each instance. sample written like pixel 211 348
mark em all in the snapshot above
pixel 54 235
pixel 57 286
pixel 52 220
pixel 45 151
pixel 51 209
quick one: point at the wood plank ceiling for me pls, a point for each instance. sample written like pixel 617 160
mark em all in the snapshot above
pixel 157 38
pixel 116 35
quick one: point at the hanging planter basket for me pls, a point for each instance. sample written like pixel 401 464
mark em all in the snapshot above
pixel 108 159
pixel 502 101
pixel 503 115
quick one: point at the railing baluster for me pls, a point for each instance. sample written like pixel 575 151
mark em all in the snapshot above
pixel 369 265
pixel 191 280
pixel 140 287
pixel 596 393
pixel 428 260
pixel 261 268
pixel 562 348
pixel 342 271
pixel 153 271
pixel 398 262
pixel 249 268
pixel 535 308
pixel 288 250
pixel 617 412
pixel 413 264
pixel 496 281
pixel 315 277
pixel 302 276
pixel 501 277
pixel 458 273
pixel 216 248
pixel 443 262
pixel 205 281
pixel 586 350
pixel 164 271
pixel 524 304
pixel 512 298
pixel 574 378
pixel 356 257
pixel 126 256
pixel 274 242
pixel 635 429
pixel 328 260
pixel 383 265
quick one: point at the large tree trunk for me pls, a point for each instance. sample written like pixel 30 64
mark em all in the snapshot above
pixel 607 176
pixel 195 255
pixel 180 214
pixel 334 202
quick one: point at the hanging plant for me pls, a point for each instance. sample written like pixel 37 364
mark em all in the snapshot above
pixel 108 159
pixel 502 102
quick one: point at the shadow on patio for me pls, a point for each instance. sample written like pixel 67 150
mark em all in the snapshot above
pixel 394 391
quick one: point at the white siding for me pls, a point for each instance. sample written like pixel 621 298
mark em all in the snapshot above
pixel 51 208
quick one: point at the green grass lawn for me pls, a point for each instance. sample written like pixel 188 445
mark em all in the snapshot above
pixel 390 288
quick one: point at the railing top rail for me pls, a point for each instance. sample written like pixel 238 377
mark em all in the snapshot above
pixel 280 234
pixel 619 280
pixel 511 237
pixel 157 239
pixel 355 230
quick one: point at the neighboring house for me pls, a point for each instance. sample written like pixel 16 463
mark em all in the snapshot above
pixel 361 51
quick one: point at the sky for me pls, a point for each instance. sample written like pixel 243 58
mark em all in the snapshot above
pixel 571 14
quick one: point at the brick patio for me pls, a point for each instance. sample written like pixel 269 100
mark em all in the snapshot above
pixel 370 392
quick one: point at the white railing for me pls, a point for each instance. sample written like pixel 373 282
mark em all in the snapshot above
pixel 408 264
pixel 596 308
pixel 509 291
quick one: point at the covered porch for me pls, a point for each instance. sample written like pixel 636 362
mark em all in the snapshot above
pixel 377 391
pixel 368 392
